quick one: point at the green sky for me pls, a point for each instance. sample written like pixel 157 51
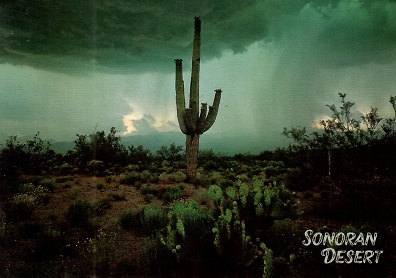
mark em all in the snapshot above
pixel 69 67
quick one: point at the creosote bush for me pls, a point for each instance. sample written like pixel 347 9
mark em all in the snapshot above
pixel 79 212
pixel 173 193
pixel 129 218
pixel 21 205
pixel 102 251
pixel 152 218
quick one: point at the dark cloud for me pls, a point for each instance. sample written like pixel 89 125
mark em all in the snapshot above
pixel 134 35
pixel 359 33
pixel 146 35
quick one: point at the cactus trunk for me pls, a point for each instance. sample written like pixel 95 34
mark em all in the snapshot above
pixel 192 147
pixel 192 122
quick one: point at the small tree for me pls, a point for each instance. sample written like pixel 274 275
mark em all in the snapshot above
pixel 343 131
pixel 172 153
pixel 139 156
pixel 32 157
pixel 99 146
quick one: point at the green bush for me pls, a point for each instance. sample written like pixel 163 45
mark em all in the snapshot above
pixel 148 189
pixel 50 242
pixel 131 179
pixel 79 212
pixel 73 191
pixel 152 218
pixel 100 206
pixel 29 229
pixel 116 196
pixel 187 222
pixel 203 197
pixel 177 177
pixel 48 183
pixel 22 205
pixel 102 252
pixel 129 218
pixel 38 193
pixel 147 177
pixel 173 193
pixel 5 232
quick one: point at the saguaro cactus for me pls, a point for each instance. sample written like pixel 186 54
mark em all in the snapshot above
pixel 193 122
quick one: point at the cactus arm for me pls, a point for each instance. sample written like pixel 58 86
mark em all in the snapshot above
pixel 180 99
pixel 202 117
pixel 196 57
pixel 210 119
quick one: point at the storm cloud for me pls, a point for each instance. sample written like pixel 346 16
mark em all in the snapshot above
pixel 135 36
pixel 121 35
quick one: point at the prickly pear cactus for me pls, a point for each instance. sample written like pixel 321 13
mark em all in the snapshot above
pixel 184 219
pixel 242 206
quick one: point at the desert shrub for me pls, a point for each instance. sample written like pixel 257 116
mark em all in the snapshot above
pixel 48 183
pixel 173 154
pixel 139 157
pixel 172 193
pixel 73 192
pixel 103 251
pixel 33 157
pixel 201 180
pixel 155 259
pixel 215 177
pixel 99 186
pixel 132 178
pixel 22 205
pixel 65 169
pixel 148 189
pixel 116 196
pixel 100 147
pixel 369 197
pixel 283 239
pixel 149 198
pixel 194 217
pixel 79 212
pixel 210 160
pixel 96 167
pixel 294 179
pixel 148 177
pixel 177 177
pixel 109 179
pixel 203 197
pixel 99 207
pixel 164 178
pixel 40 194
pixel 129 218
pixel 186 223
pixel 152 218
pixel 29 229
pixel 274 168
pixel 51 241
pixel 5 232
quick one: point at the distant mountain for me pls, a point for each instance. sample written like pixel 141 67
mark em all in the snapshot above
pixel 155 140
pixel 216 142
pixel 62 147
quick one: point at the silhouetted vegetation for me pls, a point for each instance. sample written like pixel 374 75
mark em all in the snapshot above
pixel 107 209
